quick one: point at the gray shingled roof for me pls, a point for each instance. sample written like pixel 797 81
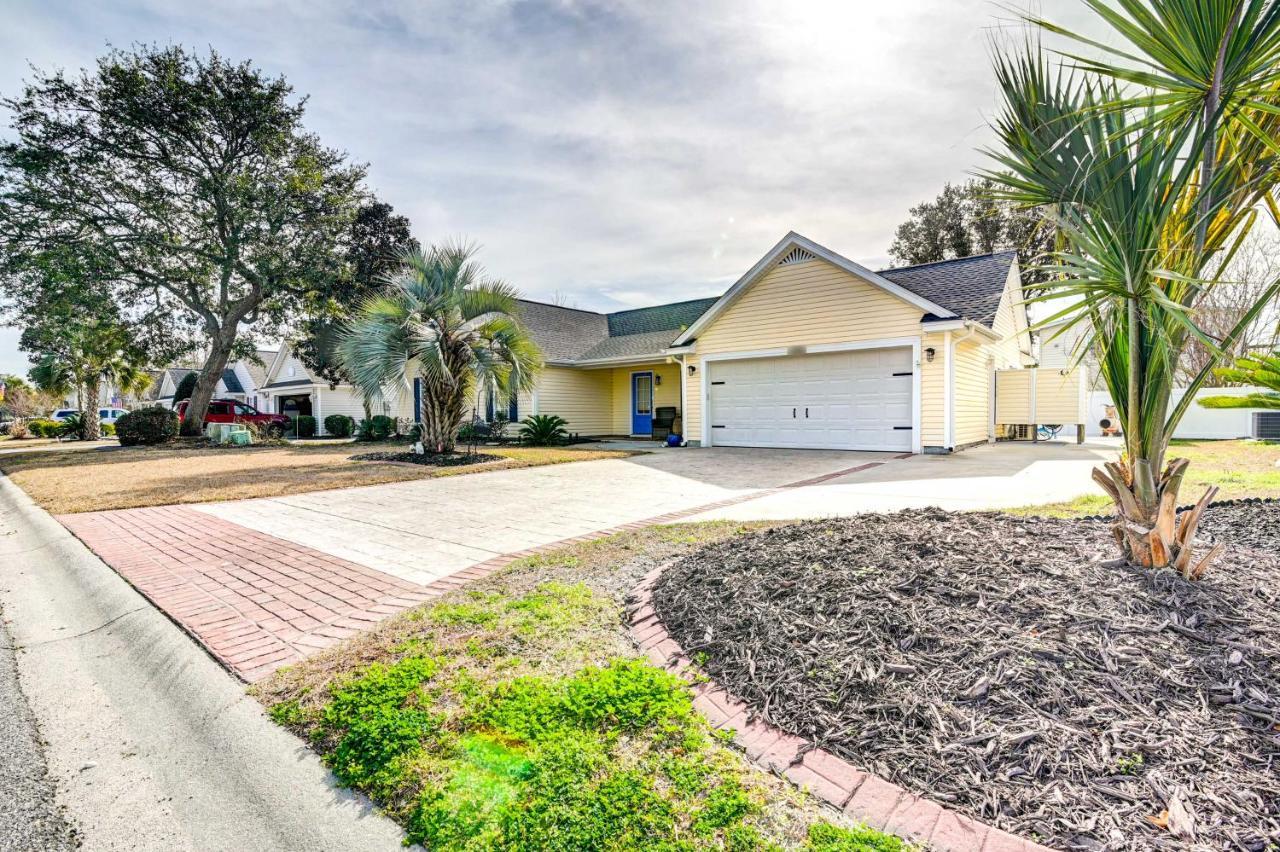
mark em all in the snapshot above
pixel 231 381
pixel 969 286
pixel 631 345
pixel 258 372
pixel 562 334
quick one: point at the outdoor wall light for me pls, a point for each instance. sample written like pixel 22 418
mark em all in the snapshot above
pixel 693 368
pixel 929 353
pixel 657 379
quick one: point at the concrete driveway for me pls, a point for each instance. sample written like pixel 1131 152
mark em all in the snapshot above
pixel 997 476
pixel 426 529
pixel 264 583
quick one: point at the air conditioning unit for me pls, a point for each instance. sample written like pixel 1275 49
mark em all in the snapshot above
pixel 1266 425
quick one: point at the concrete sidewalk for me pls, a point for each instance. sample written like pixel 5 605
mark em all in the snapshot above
pixel 151 744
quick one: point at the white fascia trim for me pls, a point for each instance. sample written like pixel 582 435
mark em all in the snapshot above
pixel 881 343
pixel 917 384
pixel 792 240
pixel 754 353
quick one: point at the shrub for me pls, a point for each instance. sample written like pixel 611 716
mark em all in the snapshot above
pixel 147 426
pixel 44 428
pixel 71 426
pixel 498 428
pixel 305 426
pixel 382 427
pixel 339 425
pixel 544 430
pixel 18 430
pixel 364 429
pixel 108 429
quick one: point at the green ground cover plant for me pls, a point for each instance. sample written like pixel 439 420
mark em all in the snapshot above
pixel 514 717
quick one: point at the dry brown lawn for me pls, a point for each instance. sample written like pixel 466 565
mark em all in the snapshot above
pixel 67 482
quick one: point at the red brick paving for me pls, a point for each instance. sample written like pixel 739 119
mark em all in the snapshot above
pixel 863 796
pixel 257 602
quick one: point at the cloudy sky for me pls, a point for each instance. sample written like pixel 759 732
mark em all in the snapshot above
pixel 613 154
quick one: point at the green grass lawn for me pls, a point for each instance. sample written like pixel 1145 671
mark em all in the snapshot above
pixel 1238 468
pixel 517 715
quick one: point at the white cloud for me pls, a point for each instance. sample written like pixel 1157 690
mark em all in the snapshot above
pixel 618 153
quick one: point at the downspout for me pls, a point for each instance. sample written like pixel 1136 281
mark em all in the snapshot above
pixel 950 343
pixel 948 392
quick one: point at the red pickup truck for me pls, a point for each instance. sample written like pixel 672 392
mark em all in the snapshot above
pixel 230 411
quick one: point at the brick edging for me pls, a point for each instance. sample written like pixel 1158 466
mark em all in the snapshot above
pixel 861 795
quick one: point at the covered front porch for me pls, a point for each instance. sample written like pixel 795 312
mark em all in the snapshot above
pixel 641 399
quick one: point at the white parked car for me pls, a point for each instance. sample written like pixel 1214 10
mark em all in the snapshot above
pixel 105 415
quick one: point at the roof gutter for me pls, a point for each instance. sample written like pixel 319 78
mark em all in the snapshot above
pixel 961 325
pixel 620 361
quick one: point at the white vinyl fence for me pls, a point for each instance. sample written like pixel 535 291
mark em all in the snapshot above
pixel 1199 422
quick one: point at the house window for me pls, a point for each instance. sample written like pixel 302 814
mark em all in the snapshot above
pixel 492 404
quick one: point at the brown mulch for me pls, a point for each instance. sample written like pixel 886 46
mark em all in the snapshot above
pixel 1249 523
pixel 429 459
pixel 1005 666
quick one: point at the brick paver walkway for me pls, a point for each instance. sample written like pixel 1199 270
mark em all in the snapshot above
pixel 258 601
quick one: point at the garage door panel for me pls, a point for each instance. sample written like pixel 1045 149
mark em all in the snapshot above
pixel 853 399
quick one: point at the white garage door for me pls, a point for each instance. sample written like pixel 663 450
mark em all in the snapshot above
pixel 858 400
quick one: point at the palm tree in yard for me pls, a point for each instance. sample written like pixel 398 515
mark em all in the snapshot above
pixel 441 320
pixel 1153 150
pixel 1258 371
pixel 91 356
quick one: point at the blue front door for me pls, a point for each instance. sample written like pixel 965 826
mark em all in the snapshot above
pixel 642 403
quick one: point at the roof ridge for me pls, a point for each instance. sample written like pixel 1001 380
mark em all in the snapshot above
pixel 949 260
pixel 560 307
pixel 665 305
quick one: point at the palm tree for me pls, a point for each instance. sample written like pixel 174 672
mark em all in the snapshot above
pixel 92 354
pixel 1152 162
pixel 441 320
pixel 1254 371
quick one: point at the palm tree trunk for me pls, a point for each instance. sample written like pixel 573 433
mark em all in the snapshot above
pixel 1148 528
pixel 90 427
pixel 442 410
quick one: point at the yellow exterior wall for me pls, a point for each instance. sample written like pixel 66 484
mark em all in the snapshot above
pixel 666 393
pixel 973 393
pixel 582 397
pixel 801 304
pixel 933 377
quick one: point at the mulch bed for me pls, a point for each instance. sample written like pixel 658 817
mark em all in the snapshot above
pixel 1005 666
pixel 430 459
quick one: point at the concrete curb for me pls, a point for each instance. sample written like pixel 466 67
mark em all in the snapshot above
pixel 151 744
pixel 863 796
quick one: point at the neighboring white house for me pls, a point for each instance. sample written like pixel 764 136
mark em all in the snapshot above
pixel 240 381
pixel 289 388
